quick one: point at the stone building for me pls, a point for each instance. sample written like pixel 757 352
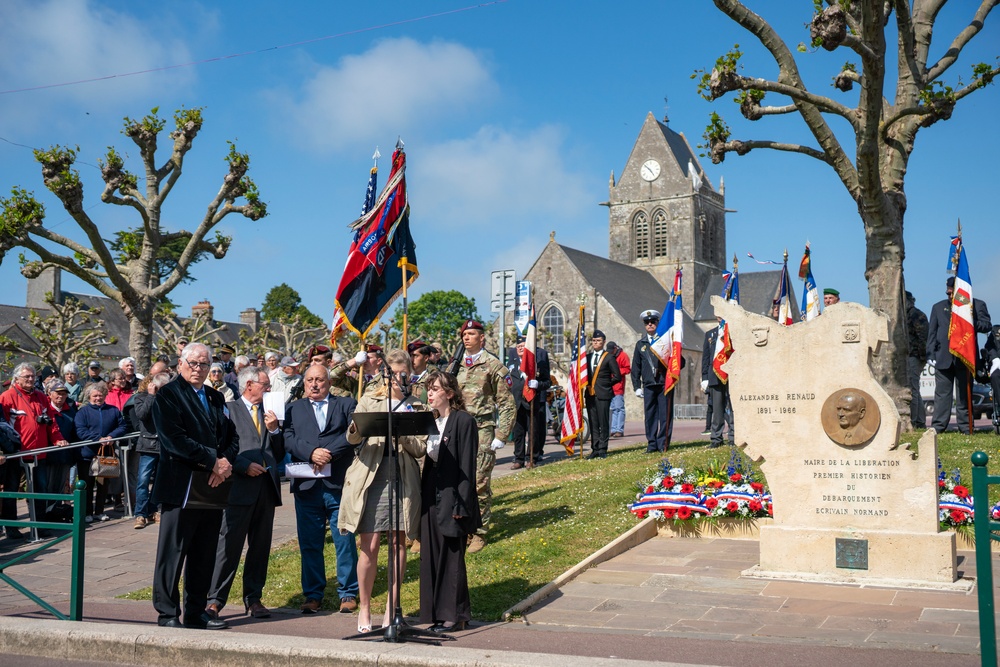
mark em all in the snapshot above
pixel 663 214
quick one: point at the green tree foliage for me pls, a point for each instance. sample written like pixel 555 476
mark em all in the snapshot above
pixel 437 315
pixel 283 304
pixel 136 270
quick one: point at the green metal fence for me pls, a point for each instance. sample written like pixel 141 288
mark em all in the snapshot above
pixel 71 531
pixel 986 531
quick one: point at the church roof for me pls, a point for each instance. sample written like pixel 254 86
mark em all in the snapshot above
pixel 629 290
pixel 757 290
pixel 682 153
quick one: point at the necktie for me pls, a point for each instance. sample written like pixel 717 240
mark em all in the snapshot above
pixel 204 400
pixel 320 416
pixel 254 417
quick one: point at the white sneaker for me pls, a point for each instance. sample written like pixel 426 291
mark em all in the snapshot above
pixel 88 519
pixel 104 517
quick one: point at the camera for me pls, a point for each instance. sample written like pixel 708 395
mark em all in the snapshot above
pixel 43 419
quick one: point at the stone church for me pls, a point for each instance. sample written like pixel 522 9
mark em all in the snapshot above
pixel 664 214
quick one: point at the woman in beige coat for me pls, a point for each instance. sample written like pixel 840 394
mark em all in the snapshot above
pixel 364 506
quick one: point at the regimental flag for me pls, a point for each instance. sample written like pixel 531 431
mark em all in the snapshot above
pixel 810 293
pixel 528 367
pixel 669 336
pixel 572 423
pixel 782 297
pixel 373 277
pixel 338 328
pixel 961 331
pixel 723 344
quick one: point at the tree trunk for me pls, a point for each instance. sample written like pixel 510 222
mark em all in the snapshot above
pixel 140 337
pixel 884 272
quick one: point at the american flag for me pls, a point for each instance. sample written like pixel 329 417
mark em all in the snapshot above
pixel 572 423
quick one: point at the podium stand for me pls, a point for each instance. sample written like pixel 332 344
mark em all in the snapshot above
pixel 391 425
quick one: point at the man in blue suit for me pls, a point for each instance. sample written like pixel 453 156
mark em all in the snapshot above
pixel 315 432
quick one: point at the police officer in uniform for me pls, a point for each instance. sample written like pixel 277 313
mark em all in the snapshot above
pixel 648 378
pixel 485 385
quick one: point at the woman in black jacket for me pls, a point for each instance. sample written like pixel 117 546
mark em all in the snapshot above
pixel 450 508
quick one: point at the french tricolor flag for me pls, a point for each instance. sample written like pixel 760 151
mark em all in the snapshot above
pixel 670 336
pixel 961 332
pixel 528 360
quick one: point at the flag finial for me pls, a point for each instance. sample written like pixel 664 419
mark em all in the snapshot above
pixel 786 255
pixel 399 143
pixel 736 261
pixel 376 155
pixel 959 228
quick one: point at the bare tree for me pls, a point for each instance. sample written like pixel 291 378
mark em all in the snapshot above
pixel 885 122
pixel 131 277
pixel 295 337
pixel 69 332
pixel 198 329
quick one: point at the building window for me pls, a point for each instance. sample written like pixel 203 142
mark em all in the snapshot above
pixel 641 226
pixel 552 321
pixel 659 233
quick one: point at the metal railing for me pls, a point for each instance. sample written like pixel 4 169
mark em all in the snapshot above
pixel 28 458
pixel 986 531
pixel 74 531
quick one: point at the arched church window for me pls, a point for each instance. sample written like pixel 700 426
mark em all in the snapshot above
pixel 659 233
pixel 640 224
pixel 552 321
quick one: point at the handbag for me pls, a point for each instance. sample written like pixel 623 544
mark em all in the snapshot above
pixel 106 464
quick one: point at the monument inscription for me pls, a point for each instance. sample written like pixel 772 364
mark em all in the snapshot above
pixel 806 405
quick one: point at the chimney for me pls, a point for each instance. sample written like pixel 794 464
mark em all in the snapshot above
pixel 251 318
pixel 201 307
pixel 49 280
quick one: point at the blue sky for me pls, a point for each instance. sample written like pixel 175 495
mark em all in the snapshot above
pixel 514 114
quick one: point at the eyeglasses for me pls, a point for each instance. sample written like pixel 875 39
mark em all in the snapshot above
pixel 197 364
pixel 216 370
pixel 265 385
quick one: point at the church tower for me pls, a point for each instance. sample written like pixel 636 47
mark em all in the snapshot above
pixel 662 216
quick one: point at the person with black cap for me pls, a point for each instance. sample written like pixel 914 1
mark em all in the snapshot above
pixel 648 378
pixel 602 375
pixel 916 333
pixel 226 353
pixel 485 385
pixel 950 374
pixel 523 424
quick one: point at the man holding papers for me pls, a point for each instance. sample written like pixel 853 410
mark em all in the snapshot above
pixel 315 432
pixel 256 492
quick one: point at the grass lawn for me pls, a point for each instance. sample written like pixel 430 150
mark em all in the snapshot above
pixel 548 519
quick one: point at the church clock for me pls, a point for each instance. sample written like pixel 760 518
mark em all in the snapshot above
pixel 649 170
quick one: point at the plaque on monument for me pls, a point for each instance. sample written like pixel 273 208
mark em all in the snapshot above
pixel 826 434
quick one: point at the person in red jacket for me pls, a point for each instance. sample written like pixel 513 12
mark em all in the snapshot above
pixel 618 401
pixel 28 411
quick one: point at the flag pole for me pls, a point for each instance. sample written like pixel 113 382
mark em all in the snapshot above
pixel 972 372
pixel 531 404
pixel 579 396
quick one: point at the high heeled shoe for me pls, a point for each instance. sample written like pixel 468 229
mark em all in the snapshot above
pixel 454 627
pixel 364 628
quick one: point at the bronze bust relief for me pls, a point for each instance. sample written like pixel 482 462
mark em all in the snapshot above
pixel 850 417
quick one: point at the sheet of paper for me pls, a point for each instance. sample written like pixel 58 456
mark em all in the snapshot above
pixel 275 400
pixel 305 471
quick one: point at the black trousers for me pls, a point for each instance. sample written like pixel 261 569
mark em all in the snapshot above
pixel 254 525
pixel 521 430
pixel 722 414
pixel 658 409
pixel 954 379
pixel 188 540
pixel 599 415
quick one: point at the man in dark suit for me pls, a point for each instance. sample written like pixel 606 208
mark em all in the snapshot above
pixel 950 372
pixel 197 443
pixel 522 422
pixel 716 388
pixel 315 432
pixel 256 492
pixel 602 373
pixel 648 378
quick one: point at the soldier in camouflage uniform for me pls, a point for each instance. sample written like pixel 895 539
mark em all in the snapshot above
pixel 344 377
pixel 420 356
pixel 485 384
pixel 916 331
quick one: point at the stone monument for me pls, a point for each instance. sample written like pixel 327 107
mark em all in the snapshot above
pixel 850 504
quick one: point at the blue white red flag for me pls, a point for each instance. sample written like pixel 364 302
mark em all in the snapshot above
pixel 669 337
pixel 783 298
pixel 810 293
pixel 528 367
pixel 371 282
pixel 572 424
pixel 723 344
pixel 961 331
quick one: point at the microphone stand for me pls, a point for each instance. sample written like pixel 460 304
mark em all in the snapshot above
pixel 398 629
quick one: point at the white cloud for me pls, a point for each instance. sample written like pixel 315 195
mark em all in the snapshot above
pixel 58 41
pixel 398 84
pixel 498 176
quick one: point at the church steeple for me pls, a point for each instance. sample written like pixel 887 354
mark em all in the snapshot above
pixel 658 218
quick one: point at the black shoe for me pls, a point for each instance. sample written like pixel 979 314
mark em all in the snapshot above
pixel 715 445
pixel 593 455
pixel 204 621
pixel 170 623
pixel 455 627
pixel 14 534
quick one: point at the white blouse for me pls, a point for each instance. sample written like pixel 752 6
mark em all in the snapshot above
pixel 434 441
